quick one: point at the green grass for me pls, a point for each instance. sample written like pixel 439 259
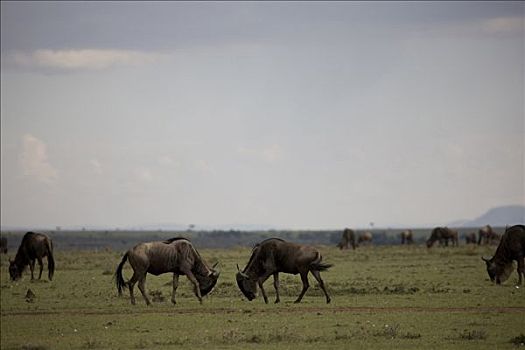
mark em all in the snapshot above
pixel 382 297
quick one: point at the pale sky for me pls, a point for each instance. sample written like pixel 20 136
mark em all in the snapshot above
pixel 299 115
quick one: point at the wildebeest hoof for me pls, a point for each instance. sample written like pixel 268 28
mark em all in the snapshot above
pixel 297 301
pixel 328 301
pixel 277 301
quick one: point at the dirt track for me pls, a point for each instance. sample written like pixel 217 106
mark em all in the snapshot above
pixel 212 311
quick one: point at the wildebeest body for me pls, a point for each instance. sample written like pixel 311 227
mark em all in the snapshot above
pixel 407 237
pixel 443 235
pixel 274 256
pixel 177 256
pixel 487 235
pixel 470 238
pixel 510 248
pixel 348 237
pixel 365 237
pixel 34 247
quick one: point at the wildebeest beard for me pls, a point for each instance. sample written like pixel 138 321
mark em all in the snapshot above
pixel 247 287
pixel 206 283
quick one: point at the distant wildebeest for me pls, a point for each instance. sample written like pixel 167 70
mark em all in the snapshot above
pixel 443 235
pixel 34 246
pixel 365 237
pixel 275 255
pixel 407 237
pixel 3 245
pixel 348 237
pixel 486 235
pixel 176 255
pixel 470 238
pixel 511 247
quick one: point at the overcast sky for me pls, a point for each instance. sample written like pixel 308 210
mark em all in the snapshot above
pixel 301 115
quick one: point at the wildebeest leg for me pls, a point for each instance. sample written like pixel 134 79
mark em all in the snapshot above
pixel 196 289
pixel 317 276
pixel 276 286
pixel 175 285
pixel 521 269
pixel 32 267
pixel 260 283
pixel 131 285
pixel 41 267
pixel 304 279
pixel 142 289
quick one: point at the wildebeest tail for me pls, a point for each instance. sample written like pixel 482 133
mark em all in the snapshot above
pixel 318 265
pixel 119 279
pixel 50 259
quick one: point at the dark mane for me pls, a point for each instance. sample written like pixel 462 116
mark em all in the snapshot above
pixel 256 252
pixel 21 254
pixel 266 240
pixel 506 249
pixel 171 240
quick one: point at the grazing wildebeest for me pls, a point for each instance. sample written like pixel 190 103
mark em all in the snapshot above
pixel 347 237
pixel 3 245
pixel 487 235
pixel 34 246
pixel 175 255
pixel 365 237
pixel 407 237
pixel 470 238
pixel 442 234
pixel 275 255
pixel 511 247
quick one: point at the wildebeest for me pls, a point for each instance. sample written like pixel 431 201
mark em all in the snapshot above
pixel 470 238
pixel 407 237
pixel 443 235
pixel 347 237
pixel 176 255
pixel 487 235
pixel 365 237
pixel 34 246
pixel 511 247
pixel 275 255
pixel 3 245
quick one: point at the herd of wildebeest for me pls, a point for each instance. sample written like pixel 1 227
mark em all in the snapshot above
pixel 268 258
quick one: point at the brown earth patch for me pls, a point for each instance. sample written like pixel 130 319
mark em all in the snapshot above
pixel 291 310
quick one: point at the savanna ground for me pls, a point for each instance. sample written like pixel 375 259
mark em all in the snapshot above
pixel 382 297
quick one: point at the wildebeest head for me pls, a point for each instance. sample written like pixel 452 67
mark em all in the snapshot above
pixel 14 271
pixel 498 273
pixel 206 283
pixel 247 285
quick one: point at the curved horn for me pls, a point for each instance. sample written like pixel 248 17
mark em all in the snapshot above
pixel 241 273
pixel 485 259
pixel 215 265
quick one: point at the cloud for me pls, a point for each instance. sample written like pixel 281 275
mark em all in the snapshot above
pixel 83 59
pixel 96 165
pixel 268 154
pixel 504 25
pixel 33 160
pixel 143 175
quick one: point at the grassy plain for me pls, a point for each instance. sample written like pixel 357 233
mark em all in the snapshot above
pixel 382 297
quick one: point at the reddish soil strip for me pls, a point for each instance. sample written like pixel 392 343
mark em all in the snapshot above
pixel 347 309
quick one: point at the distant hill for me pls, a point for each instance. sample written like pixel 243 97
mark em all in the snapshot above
pixel 499 216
